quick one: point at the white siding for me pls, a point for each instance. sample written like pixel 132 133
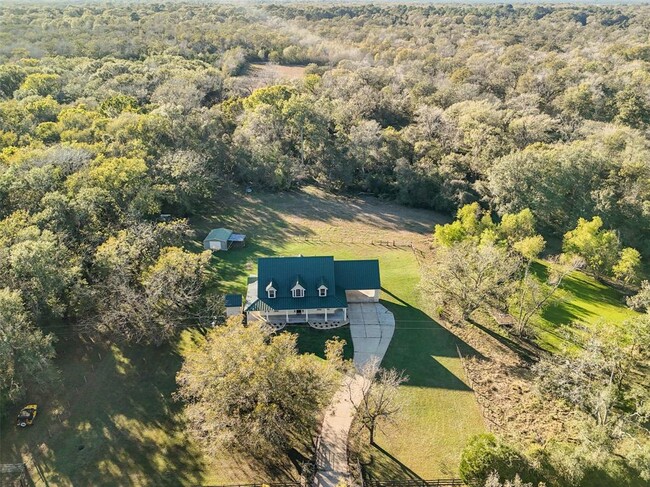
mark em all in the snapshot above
pixel 216 245
pixel 233 311
pixel 363 296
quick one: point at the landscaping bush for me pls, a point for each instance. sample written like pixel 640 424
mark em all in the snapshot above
pixel 485 454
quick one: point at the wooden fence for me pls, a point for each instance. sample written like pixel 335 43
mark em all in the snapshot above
pixel 355 240
pixel 416 483
pixel 268 484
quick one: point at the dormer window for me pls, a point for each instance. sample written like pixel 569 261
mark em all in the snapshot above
pixel 271 291
pixel 298 292
pixel 322 291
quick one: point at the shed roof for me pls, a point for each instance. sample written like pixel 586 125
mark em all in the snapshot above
pixel 233 300
pixel 221 234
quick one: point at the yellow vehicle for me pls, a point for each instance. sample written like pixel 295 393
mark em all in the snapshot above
pixel 26 415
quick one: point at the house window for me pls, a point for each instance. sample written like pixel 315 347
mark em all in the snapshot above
pixel 322 291
pixel 271 293
pixel 298 292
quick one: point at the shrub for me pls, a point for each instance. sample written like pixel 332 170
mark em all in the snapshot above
pixel 485 454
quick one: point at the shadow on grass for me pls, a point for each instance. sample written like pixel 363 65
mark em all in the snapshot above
pixel 384 466
pixel 417 345
pixel 582 289
pixel 525 351
pixel 114 422
pixel 313 341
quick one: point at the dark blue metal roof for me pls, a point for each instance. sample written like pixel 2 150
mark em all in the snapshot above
pixel 311 273
pixel 233 300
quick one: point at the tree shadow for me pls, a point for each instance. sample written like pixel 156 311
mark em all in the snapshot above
pixel 386 467
pixel 114 422
pixel 420 345
pixel 525 351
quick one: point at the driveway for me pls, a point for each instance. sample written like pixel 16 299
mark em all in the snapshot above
pixel 371 327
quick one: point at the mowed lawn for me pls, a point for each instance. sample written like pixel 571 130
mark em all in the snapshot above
pixel 440 412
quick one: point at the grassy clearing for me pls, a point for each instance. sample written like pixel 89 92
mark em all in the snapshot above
pixel 440 411
pixel 258 75
pixel 583 301
pixel 113 421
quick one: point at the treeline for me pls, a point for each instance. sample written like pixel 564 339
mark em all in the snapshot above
pixel 110 115
pixel 544 108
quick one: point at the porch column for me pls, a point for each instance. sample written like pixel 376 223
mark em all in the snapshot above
pixel 306 315
pixel 267 316
pixel 325 314
pixel 345 314
pixel 287 312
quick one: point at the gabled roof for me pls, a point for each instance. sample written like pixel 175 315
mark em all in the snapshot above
pixel 299 281
pixel 221 234
pixel 357 274
pixel 311 273
pixel 285 272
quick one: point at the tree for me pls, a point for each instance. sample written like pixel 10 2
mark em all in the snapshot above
pixel 532 296
pixel 599 248
pixel 471 221
pixel 377 401
pixel 151 305
pixel 41 84
pixel 641 300
pixel 485 454
pixel 495 481
pixel 186 179
pixel 467 276
pixel 248 389
pixel 515 227
pixel 629 265
pixel 601 377
pixel 26 353
pixel 38 264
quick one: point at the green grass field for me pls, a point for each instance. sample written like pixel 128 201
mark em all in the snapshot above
pixel 439 409
pixel 583 301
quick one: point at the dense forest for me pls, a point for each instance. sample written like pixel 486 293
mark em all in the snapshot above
pixel 538 107
pixel 113 115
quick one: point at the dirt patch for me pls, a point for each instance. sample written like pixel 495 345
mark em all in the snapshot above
pixel 258 75
pixel 275 71
pixel 505 390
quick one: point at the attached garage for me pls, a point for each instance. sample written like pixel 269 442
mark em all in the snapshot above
pixel 360 279
pixel 362 296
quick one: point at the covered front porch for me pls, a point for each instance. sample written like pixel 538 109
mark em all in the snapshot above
pixel 331 316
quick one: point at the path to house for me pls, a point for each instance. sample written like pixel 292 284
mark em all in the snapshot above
pixel 371 327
